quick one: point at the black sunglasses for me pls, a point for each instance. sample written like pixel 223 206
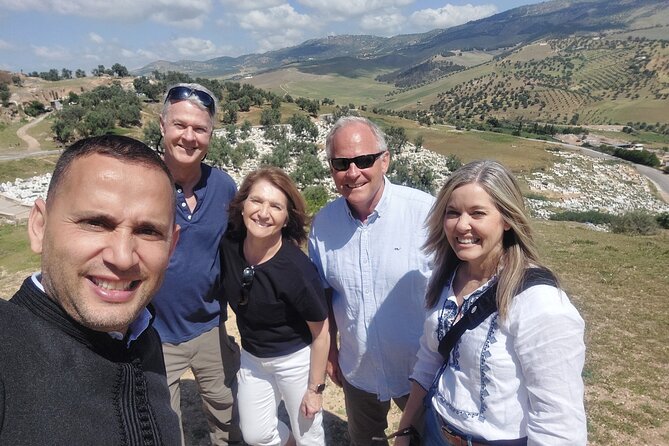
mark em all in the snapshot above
pixel 247 279
pixel 362 161
pixel 181 93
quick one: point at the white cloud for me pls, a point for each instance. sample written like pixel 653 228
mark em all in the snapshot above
pixel 276 27
pixel 275 18
pixel 247 5
pixel 4 45
pixel 96 38
pixel 352 8
pixel 165 11
pixel 148 55
pixel 288 37
pixel 450 15
pixel 51 53
pixel 383 24
pixel 193 48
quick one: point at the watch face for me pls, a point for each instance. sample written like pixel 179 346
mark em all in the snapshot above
pixel 320 388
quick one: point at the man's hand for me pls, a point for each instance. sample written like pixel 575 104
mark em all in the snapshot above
pixel 332 368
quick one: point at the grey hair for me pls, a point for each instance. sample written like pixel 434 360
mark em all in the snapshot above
pixel 347 120
pixel 194 99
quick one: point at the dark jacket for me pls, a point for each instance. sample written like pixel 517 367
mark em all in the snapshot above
pixel 63 384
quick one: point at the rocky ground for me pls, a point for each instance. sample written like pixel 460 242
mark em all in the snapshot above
pixel 576 182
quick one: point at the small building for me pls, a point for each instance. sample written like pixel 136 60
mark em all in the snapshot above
pixel 56 105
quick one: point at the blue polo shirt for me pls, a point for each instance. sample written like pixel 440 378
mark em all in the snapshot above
pixel 187 305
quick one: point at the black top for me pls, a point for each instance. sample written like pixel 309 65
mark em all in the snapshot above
pixel 64 384
pixel 285 293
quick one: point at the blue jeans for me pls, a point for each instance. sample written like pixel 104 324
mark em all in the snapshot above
pixel 432 427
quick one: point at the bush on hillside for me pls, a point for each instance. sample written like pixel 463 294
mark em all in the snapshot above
pixel 663 220
pixel 635 223
pixel 34 109
pixel 316 197
pixel 638 156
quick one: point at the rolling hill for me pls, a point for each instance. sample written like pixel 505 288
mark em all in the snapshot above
pixel 552 19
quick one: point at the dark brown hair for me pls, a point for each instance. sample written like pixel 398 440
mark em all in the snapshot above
pixel 297 217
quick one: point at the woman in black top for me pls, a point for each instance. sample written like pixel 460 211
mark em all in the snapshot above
pixel 278 298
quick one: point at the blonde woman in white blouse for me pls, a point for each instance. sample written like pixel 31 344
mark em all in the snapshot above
pixel 515 379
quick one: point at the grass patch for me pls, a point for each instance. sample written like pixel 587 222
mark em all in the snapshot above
pixel 26 168
pixel 619 284
pixel 11 142
pixel 594 217
pixel 15 250
pixel 535 196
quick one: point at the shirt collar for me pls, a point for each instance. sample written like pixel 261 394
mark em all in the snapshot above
pixel 135 329
pixel 381 206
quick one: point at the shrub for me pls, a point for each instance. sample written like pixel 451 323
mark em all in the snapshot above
pixel 316 197
pixel 34 108
pixel 635 223
pixel 663 220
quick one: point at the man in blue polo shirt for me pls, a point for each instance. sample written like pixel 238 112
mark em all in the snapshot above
pixel 188 305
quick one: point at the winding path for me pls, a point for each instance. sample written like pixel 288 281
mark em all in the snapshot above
pixel 22 133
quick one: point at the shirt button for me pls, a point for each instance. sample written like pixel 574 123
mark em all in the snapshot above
pixel 183 205
pixel 189 217
pixel 179 190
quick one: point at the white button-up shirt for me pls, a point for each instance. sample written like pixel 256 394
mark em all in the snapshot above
pixel 378 275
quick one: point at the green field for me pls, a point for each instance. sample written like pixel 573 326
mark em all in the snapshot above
pixel 26 167
pixel 344 90
pixel 9 142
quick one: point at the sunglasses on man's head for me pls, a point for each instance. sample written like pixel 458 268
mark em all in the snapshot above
pixel 247 279
pixel 181 93
pixel 361 162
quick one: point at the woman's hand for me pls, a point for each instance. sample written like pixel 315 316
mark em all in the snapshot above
pixel 312 403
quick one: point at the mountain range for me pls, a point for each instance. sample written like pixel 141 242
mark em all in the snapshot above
pixel 506 30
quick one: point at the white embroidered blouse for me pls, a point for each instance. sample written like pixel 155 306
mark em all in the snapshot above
pixel 511 379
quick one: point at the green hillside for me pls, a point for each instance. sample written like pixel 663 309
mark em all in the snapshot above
pixel 584 80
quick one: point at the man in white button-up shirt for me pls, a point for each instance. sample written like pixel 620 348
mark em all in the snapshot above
pixel 367 248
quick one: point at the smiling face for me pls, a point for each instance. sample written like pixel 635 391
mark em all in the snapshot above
pixel 362 188
pixel 186 130
pixel 265 212
pixel 105 238
pixel 474 227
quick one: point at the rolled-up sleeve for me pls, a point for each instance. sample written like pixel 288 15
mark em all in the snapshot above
pixel 548 340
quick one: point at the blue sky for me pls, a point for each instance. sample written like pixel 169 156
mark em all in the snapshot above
pixel 36 35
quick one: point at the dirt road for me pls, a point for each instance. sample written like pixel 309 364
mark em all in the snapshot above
pixel 22 133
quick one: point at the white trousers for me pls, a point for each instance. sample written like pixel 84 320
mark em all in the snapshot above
pixel 262 384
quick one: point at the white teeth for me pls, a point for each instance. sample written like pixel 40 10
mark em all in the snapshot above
pixel 113 286
pixel 467 241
